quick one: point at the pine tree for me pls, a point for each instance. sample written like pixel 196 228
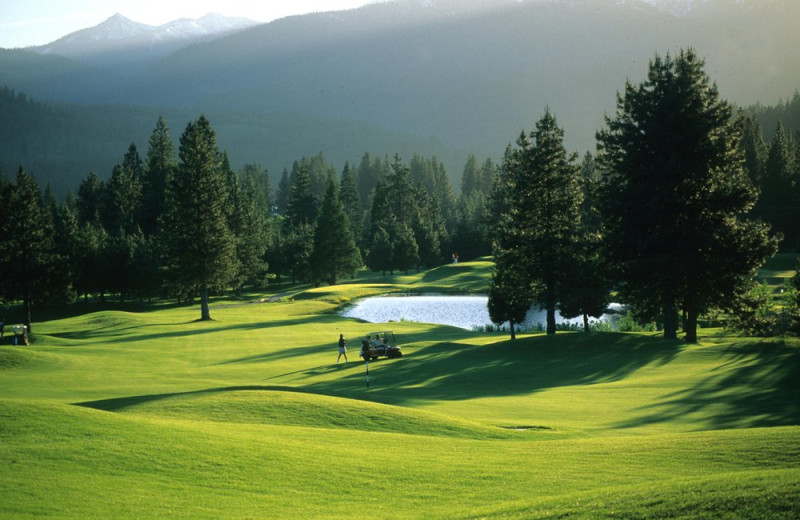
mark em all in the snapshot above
pixel 754 149
pixel 587 287
pixel 335 252
pixel 201 249
pixel 470 177
pixel 396 210
pixel 123 193
pixel 510 293
pixel 251 229
pixel 302 204
pixel 487 174
pixel 381 253
pixel 159 166
pixel 405 250
pixel 509 297
pixel 369 172
pixel 544 197
pixel 675 196
pixel 27 249
pixel 88 202
pixel 351 202
pixel 283 193
pixel 88 260
pixel 779 183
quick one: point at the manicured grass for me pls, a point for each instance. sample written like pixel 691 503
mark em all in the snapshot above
pixel 153 414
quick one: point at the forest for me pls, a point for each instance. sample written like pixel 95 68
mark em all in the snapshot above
pixel 148 230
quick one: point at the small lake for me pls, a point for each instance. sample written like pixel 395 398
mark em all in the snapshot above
pixel 466 312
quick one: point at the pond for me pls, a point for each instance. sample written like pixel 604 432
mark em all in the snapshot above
pixel 466 312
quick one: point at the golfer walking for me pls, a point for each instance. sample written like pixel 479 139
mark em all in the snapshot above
pixel 342 348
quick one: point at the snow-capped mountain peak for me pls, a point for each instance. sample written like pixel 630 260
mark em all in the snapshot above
pixel 119 33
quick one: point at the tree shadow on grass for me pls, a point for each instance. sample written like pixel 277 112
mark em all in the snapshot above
pixel 124 335
pixel 758 387
pixel 448 371
pixel 120 404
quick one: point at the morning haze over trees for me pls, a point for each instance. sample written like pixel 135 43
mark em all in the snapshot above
pixel 533 160
pixel 682 201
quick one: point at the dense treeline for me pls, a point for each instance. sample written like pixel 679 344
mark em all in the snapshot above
pixel 774 166
pixel 182 223
pixel 665 215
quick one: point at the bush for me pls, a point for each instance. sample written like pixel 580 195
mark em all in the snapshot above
pixel 759 314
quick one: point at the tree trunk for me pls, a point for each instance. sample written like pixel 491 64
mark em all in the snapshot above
pixel 511 326
pixel 691 327
pixel 551 319
pixel 205 315
pixel 585 322
pixel 670 324
pixel 550 304
pixel 27 305
pixel 690 323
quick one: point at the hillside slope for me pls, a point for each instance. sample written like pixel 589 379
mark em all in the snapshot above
pixel 463 77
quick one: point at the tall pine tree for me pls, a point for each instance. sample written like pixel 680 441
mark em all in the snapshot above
pixel 675 196
pixel 159 166
pixel 335 252
pixel 201 249
pixel 28 256
pixel 544 196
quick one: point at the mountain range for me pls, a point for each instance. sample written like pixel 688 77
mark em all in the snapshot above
pixel 120 44
pixel 434 77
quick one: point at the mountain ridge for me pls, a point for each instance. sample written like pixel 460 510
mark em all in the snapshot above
pixel 467 75
pixel 119 42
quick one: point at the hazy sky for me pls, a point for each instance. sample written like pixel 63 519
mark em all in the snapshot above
pixel 35 22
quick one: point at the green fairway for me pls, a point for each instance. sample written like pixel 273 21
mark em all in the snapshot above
pixel 155 415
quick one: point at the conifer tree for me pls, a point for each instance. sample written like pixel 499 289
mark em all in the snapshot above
pixel 780 179
pixel 754 149
pixel 201 249
pixel 470 177
pixel 159 166
pixel 381 253
pixel 302 204
pixel 27 249
pixel 351 202
pixel 283 193
pixel 510 293
pixel 369 172
pixel 123 193
pixel 544 196
pixel 587 287
pixel 675 196
pixel 88 202
pixel 335 252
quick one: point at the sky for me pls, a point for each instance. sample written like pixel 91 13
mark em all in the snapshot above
pixel 24 23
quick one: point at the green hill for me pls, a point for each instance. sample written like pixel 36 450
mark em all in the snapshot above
pixel 155 415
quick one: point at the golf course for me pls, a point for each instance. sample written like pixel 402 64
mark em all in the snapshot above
pixel 147 412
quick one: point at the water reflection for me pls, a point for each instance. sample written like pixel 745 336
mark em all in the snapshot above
pixel 466 312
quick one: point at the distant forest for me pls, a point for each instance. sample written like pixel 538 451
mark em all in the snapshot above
pixel 105 232
pixel 61 142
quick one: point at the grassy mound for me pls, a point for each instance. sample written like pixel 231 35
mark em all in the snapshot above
pixel 63 461
pixel 282 406
pixel 250 416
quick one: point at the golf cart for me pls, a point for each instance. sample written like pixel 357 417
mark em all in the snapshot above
pixel 378 344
